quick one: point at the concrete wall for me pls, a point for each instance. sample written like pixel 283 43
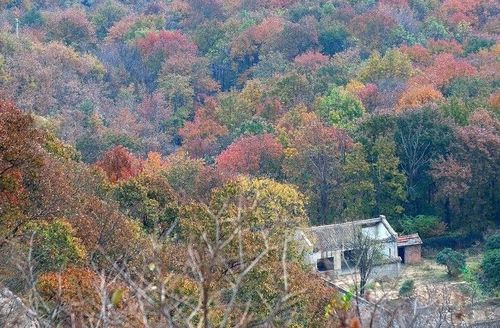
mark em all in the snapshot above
pixel 313 258
pixel 390 270
pixel 413 254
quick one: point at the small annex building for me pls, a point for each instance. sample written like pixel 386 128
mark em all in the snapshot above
pixel 330 246
pixel 410 248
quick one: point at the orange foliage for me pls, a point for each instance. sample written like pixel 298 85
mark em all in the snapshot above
pixel 76 288
pixel 199 137
pixel 79 293
pixel 120 28
pixel 119 164
pixel 487 62
pixel 372 28
pixel 248 154
pixel 266 29
pixel 355 323
pixel 495 101
pixel 418 96
pixel 154 163
pixel 104 230
pixel 167 43
pixel 247 43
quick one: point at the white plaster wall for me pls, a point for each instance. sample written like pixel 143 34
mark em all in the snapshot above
pixel 313 258
pixel 390 249
pixel 371 231
pixel 379 231
pixel 382 231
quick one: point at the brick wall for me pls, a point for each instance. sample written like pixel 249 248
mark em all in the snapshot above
pixel 413 254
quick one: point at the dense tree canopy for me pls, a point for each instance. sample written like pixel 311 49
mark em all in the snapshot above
pixel 161 154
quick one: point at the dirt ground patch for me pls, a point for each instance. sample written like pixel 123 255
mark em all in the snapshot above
pixel 433 287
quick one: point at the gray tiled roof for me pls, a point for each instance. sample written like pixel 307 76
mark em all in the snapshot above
pixel 340 236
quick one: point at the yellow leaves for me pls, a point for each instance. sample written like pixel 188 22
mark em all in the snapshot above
pixel 154 164
pixel 278 204
pixel 117 297
pixel 394 64
pixel 61 233
pixel 59 148
pixel 354 87
pixel 494 101
pixel 252 93
pixel 259 209
pixel 186 286
pixel 290 152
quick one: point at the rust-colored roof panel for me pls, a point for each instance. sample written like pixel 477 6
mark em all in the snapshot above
pixel 408 240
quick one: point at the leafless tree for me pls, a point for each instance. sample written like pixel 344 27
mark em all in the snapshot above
pixel 150 299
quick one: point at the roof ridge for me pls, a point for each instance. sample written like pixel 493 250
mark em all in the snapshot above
pixel 358 222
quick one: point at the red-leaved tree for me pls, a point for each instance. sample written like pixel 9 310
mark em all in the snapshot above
pixel 119 164
pixel 260 154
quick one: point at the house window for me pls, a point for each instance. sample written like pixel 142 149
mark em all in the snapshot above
pixel 325 264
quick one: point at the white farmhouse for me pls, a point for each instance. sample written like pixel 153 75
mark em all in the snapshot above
pixel 330 247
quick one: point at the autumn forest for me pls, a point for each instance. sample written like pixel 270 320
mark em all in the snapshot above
pixel 158 157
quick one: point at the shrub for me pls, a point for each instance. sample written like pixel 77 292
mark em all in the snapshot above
pixel 54 245
pixel 491 268
pixel 407 288
pixel 453 260
pixel 492 242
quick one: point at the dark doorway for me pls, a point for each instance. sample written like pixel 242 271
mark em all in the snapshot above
pixel 401 254
pixel 325 264
pixel 349 260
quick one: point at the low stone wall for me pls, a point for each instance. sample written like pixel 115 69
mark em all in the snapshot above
pixel 383 271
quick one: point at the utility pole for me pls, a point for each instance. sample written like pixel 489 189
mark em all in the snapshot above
pixel 17 13
pixel 17 27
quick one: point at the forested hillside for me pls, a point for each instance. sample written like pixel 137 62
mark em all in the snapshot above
pixel 158 157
